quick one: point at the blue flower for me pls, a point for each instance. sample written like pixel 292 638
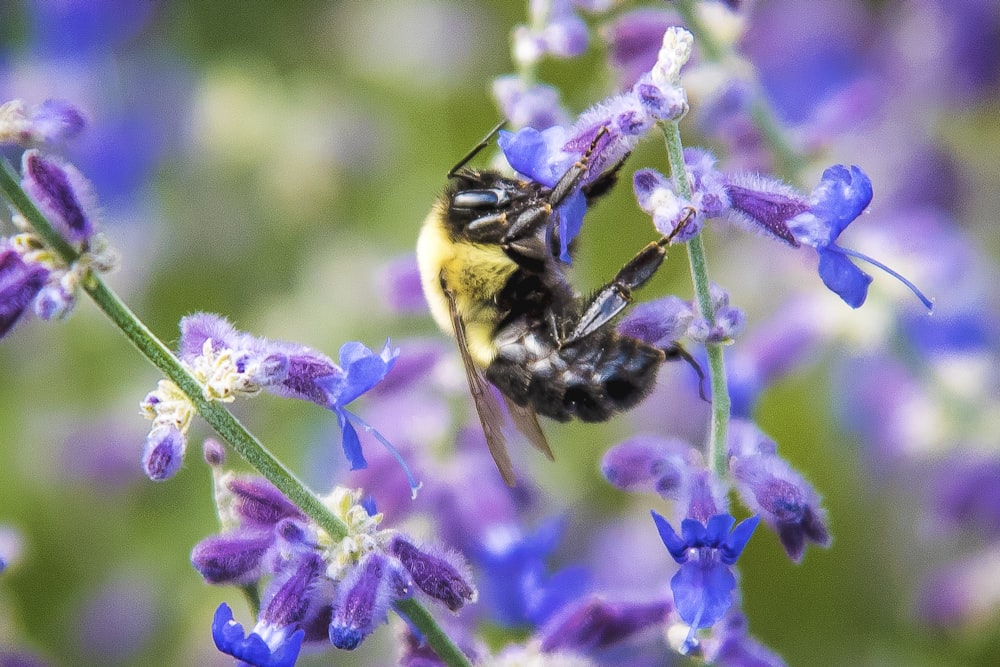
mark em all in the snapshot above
pixel 703 587
pixel 296 371
pixel 515 582
pixel 279 649
pixel 276 639
pixel 842 195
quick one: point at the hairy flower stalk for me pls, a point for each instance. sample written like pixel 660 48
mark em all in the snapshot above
pixel 223 421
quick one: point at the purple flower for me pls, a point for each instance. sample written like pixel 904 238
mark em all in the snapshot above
pixel 51 122
pixel 703 587
pixel 293 371
pixel 20 283
pixel 649 463
pixel 441 576
pixel 634 40
pixel 164 452
pixel 364 597
pixel 555 30
pixel 841 196
pixel 236 557
pixel 768 485
pixel 515 584
pixel 62 194
pixel 536 105
pixel 593 623
pixel 661 322
pixel 276 638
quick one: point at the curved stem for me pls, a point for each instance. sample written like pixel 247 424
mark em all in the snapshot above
pixel 224 423
pixel 717 444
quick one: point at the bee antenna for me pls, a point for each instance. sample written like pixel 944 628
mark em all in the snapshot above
pixel 478 147
pixel 677 352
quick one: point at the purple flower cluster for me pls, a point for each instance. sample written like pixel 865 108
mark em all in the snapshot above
pixel 33 276
pixel 320 588
pixel 230 363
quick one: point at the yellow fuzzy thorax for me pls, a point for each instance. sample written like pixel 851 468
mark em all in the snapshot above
pixel 474 272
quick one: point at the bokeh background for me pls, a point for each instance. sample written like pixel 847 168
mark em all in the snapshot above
pixel 268 161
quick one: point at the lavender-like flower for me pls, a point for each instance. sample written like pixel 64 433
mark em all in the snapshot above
pixel 62 193
pixel 364 599
pixel 276 638
pixel 703 587
pixel 768 485
pixel 230 363
pixel 51 122
pixel 321 588
pixel 817 221
pixel 592 623
pixel 20 283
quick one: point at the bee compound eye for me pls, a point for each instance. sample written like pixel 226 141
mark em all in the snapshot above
pixel 479 199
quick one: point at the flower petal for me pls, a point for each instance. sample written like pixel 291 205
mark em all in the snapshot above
pixel 842 277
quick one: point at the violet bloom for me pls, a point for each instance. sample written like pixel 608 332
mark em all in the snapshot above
pixel 233 363
pixel 62 193
pixel 842 195
pixel 703 587
pixel 555 30
pixel 515 584
pixel 770 486
pixel 594 623
pixel 364 597
pixel 51 122
pixel 21 281
pixel 276 639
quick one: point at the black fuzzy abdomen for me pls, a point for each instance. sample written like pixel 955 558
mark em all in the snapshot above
pixel 591 379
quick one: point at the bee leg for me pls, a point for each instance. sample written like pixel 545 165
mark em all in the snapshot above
pixel 616 295
pixel 567 184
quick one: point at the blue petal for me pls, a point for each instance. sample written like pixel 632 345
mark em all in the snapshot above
pixel 544 599
pixel 252 649
pixel 738 539
pixel 718 529
pixel 570 215
pixel 703 592
pixel 842 277
pixel 842 196
pixel 528 151
pixel 674 544
pixel 694 533
pixel 351 443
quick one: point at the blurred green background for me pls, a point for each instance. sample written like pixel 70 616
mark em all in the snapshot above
pixel 285 153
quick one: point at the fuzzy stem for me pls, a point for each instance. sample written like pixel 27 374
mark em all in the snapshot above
pixel 717 439
pixel 224 423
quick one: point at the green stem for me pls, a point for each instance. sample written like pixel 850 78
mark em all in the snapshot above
pixel 224 423
pixel 446 649
pixel 717 439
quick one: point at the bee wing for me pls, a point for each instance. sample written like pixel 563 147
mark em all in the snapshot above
pixel 490 414
pixel 526 422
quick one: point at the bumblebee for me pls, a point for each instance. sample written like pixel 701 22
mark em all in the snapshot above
pixel 490 269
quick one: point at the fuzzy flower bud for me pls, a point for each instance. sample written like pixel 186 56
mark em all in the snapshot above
pixel 435 575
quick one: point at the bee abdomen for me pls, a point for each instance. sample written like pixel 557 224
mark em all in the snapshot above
pixel 590 380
